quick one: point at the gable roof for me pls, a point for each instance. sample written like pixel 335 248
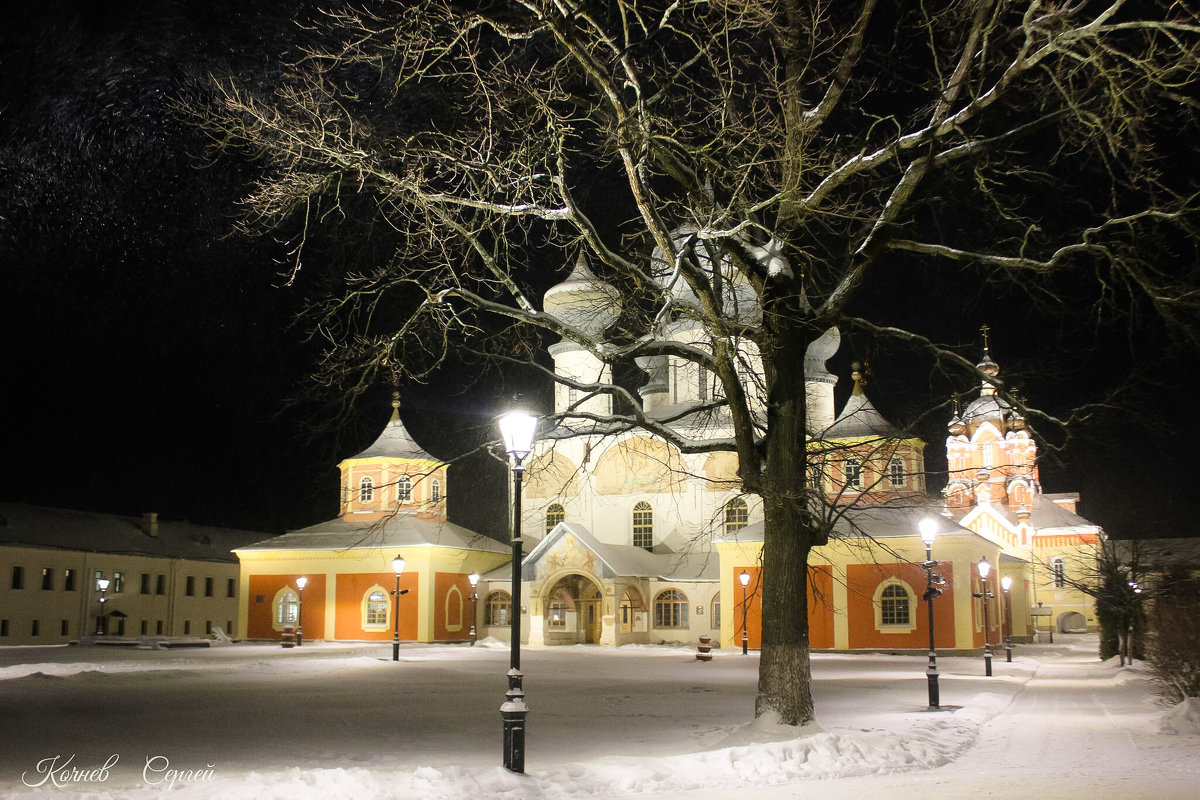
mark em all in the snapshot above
pixel 623 560
pixel 397 530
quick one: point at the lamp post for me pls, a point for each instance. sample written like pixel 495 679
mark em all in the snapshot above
pixel 744 579
pixel 397 567
pixel 984 568
pixel 474 579
pixel 102 623
pixel 928 528
pixel 517 428
pixel 1006 629
pixel 301 582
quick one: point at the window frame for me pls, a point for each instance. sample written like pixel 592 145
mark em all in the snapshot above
pixel 671 610
pixel 366 489
pixel 555 513
pixel 737 515
pixel 404 490
pixel 371 605
pixel 495 603
pixel 642 520
pixel 893 585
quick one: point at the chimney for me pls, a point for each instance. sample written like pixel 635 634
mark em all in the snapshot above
pixel 150 523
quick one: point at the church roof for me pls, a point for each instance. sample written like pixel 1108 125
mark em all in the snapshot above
pixel 395 441
pixel 90 532
pixel 625 560
pixel 859 417
pixel 397 530
pixel 875 522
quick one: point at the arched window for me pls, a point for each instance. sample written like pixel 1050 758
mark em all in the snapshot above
pixel 560 605
pixel 1058 572
pixel 498 607
pixel 894 608
pixel 287 608
pixel 366 490
pixel 376 608
pixel 671 609
pixel 404 490
pixel 435 491
pixel 631 603
pixel 737 514
pixel 896 471
pixel 643 525
pixel 716 612
pixel 853 468
pixel 454 609
pixel 554 515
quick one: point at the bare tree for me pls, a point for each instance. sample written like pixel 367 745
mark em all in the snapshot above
pixel 745 170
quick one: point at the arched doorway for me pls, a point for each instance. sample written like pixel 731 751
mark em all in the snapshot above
pixel 1072 622
pixel 573 611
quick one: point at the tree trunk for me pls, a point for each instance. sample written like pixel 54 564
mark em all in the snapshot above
pixel 784 677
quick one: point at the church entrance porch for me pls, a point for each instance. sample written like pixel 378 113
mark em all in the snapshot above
pixel 573 611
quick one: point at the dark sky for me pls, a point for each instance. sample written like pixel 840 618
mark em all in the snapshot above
pixel 152 361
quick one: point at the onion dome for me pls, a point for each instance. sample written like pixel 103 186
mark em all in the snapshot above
pixel 583 301
pixel 739 300
pixel 989 405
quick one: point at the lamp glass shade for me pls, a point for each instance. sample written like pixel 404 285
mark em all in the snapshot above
pixel 984 568
pixel 744 578
pixel 301 582
pixel 474 579
pixel 517 428
pixel 103 584
pixel 1006 582
pixel 398 564
pixel 928 528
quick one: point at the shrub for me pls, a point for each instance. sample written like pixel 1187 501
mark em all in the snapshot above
pixel 1174 647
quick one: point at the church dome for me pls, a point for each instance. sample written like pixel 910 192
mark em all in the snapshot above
pixel 740 304
pixel 583 301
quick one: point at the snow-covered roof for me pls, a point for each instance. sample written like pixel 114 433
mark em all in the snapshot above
pixel 394 442
pixel 397 530
pixel 86 531
pixel 860 418
pixel 876 522
pixel 625 560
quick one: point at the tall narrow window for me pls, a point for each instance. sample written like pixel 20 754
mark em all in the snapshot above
pixel 703 384
pixel 671 609
pixel 435 491
pixel 853 469
pixel 287 606
pixel 737 514
pixel 643 525
pixel 404 490
pixel 230 589
pixel 68 580
pixel 208 587
pixel 896 472
pixel 1058 572
pixel 894 606
pixel 366 490
pixel 18 577
pixel 160 584
pixel 190 586
pixel 375 610
pixel 47 578
pixel 554 515
pixel 118 583
pixel 145 583
pixel 715 619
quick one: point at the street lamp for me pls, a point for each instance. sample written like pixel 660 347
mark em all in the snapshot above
pixel 984 568
pixel 744 578
pixel 301 582
pixel 102 623
pixel 1006 584
pixel 517 428
pixel 398 567
pixel 474 579
pixel 928 528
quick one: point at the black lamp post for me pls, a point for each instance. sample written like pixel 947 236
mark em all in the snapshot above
pixel 517 429
pixel 398 567
pixel 102 623
pixel 744 579
pixel 985 568
pixel 301 582
pixel 474 579
pixel 928 528
pixel 1006 629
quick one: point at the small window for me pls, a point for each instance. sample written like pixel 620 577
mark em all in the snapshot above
pixel 287 607
pixel 554 515
pixel 1058 572
pixel 230 587
pixel 894 606
pixel 3 627
pixel 145 627
pixel 375 611
pixel 47 579
pixel 643 525
pixel 68 580
pixel 737 514
pixel 702 389
pixel 118 583
pixel 64 628
pixel 404 490
pixel 208 587
pixel 556 616
pixel 671 609
pixel 145 583
pixel 18 577
pixel 97 577
pixel 498 608
pixel 158 627
pixel 435 491
pixel 190 586
pixel 366 490
pixel 36 628
pixel 187 627
pixel 896 472
pixel 853 469
pixel 160 584
pixel 208 627
pixel 715 619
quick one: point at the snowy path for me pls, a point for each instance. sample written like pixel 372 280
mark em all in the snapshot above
pixel 649 722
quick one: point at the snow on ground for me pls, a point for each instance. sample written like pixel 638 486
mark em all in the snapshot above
pixel 334 721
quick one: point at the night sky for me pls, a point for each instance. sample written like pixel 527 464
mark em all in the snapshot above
pixel 152 361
